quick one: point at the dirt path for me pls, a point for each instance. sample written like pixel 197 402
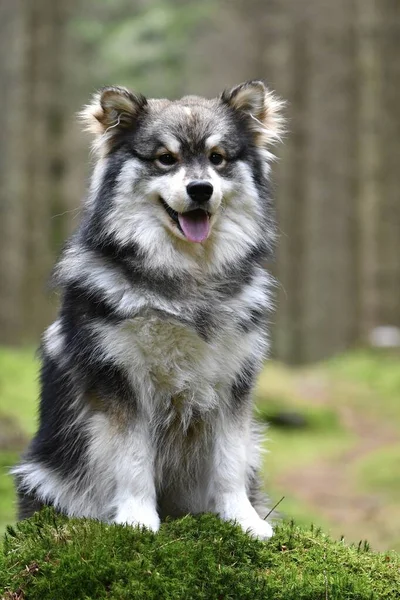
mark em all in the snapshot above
pixel 328 485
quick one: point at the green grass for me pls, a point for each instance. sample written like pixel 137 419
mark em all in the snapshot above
pixel 7 495
pixel 291 447
pixel 376 373
pixel 18 402
pixel 19 387
pixel 380 472
pixel 203 558
pixel 376 368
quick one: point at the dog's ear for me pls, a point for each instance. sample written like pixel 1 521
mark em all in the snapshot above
pixel 111 110
pixel 262 107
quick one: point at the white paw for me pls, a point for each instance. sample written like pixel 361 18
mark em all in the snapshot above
pixel 152 524
pixel 138 516
pixel 237 507
pixel 257 528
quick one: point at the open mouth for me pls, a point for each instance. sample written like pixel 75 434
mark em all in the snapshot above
pixel 194 224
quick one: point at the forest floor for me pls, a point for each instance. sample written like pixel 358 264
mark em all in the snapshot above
pixel 337 465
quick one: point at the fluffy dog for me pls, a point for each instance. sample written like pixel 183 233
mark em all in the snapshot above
pixel 147 372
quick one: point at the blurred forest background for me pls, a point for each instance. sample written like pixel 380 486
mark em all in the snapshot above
pixel 338 207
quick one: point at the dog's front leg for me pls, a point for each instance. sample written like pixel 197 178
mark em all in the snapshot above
pixel 135 498
pixel 229 471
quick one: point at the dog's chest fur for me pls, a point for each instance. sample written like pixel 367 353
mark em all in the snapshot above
pixel 174 353
pixel 190 352
pixel 178 357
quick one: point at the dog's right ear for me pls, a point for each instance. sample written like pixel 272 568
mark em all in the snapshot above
pixel 112 109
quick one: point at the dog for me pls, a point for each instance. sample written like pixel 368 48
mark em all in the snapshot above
pixel 147 373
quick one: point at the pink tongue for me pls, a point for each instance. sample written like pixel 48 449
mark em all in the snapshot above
pixel 195 225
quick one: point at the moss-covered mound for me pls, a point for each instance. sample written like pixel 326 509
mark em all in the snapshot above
pixel 52 557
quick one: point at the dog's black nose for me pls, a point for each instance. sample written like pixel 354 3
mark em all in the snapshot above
pixel 200 191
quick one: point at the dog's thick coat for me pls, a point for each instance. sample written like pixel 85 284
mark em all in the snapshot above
pixel 147 373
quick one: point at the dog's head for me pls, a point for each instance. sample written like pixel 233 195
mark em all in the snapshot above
pixel 187 172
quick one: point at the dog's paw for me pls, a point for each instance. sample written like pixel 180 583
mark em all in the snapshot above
pixel 152 524
pixel 257 528
pixel 237 508
pixel 138 517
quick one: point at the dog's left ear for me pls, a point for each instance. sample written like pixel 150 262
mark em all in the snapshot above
pixel 263 108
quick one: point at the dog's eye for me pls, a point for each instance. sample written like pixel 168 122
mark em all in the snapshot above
pixel 216 158
pixel 167 159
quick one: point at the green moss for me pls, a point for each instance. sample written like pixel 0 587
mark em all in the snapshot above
pixel 51 556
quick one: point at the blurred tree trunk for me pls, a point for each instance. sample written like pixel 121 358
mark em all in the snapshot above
pixel 330 225
pixel 388 233
pixel 12 121
pixel 46 22
pixel 369 162
pixel 75 145
pixel 284 62
pixel 32 160
pixel 379 148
